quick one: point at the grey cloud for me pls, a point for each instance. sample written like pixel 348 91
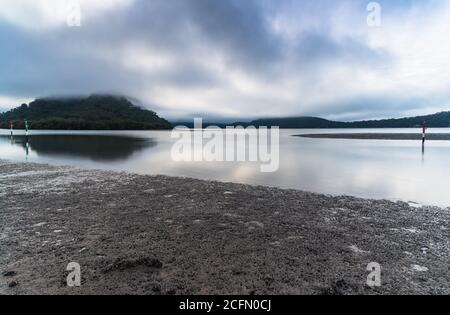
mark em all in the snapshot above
pixel 86 60
pixel 69 60
pixel 369 107
pixel 315 48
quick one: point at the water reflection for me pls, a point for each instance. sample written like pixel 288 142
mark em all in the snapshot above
pixel 371 169
pixel 96 148
pixel 423 152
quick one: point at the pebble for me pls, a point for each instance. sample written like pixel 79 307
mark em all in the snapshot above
pixel 255 224
pixel 356 250
pixel 419 268
pixel 9 274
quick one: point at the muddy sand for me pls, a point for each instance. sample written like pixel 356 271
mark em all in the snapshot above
pixel 134 234
pixel 379 136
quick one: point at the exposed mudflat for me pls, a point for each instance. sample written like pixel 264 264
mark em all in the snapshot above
pixel 136 234
pixel 379 136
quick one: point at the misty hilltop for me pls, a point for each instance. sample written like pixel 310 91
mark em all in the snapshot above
pixel 95 112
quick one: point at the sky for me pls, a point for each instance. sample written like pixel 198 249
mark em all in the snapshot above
pixel 232 58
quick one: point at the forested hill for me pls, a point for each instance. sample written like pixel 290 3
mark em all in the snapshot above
pixel 96 112
pixel 439 120
pixel 106 112
pixel 298 122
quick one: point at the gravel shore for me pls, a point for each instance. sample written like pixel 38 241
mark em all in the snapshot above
pixel 134 234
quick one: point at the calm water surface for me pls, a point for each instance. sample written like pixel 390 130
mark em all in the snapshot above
pixel 397 170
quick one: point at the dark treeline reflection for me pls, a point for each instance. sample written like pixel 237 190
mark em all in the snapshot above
pixel 95 147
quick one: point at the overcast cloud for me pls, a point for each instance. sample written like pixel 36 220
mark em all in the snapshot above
pixel 232 58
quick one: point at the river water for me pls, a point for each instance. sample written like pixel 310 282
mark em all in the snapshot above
pixel 379 169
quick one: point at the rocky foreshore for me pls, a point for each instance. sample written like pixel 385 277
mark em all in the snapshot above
pixel 134 234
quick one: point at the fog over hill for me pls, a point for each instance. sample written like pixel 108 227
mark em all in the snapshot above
pixel 95 112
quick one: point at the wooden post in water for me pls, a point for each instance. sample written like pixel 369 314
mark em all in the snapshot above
pixel 11 124
pixel 27 144
pixel 26 127
pixel 424 131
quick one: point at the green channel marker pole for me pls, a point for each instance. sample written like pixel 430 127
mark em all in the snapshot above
pixel 27 145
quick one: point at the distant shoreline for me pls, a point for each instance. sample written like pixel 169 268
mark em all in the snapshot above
pixel 368 135
pixel 379 136
pixel 135 234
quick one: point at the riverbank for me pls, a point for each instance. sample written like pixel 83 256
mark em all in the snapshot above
pixel 134 234
pixel 379 136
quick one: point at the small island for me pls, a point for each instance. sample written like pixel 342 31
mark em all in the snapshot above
pixel 95 112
